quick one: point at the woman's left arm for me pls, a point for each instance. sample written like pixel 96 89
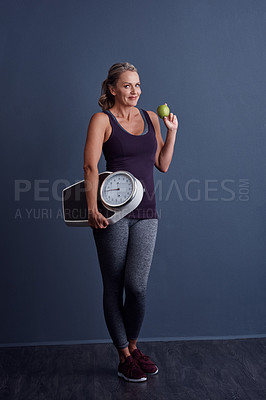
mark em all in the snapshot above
pixel 165 149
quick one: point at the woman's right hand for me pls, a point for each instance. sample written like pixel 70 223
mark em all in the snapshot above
pixel 97 220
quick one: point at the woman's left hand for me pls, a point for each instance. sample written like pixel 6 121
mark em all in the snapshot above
pixel 171 122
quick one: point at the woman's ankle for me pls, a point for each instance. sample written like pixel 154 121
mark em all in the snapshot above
pixel 132 345
pixel 123 354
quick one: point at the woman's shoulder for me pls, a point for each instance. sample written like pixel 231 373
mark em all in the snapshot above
pixel 100 117
pixel 152 113
pixel 153 116
pixel 154 120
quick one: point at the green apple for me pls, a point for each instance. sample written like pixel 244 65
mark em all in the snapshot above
pixel 163 111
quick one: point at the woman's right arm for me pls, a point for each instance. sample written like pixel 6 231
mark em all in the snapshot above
pixel 92 154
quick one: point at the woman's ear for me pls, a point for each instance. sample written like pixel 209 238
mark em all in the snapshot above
pixel 112 90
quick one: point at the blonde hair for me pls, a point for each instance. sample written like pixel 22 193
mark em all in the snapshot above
pixel 107 100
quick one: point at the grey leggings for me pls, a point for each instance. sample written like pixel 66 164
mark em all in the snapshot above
pixel 125 252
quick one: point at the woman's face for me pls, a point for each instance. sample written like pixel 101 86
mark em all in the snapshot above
pixel 127 89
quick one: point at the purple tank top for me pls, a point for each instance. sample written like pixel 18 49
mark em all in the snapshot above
pixel 135 154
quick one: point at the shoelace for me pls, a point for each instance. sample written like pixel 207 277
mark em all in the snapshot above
pixel 145 358
pixel 132 365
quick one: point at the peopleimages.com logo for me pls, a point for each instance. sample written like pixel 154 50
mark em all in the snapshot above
pixel 40 191
pixel 204 190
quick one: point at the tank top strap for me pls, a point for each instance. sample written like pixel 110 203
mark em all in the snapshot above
pixel 110 115
pixel 112 121
pixel 107 112
pixel 145 114
pixel 149 121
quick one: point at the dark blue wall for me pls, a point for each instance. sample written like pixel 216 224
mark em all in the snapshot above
pixel 207 60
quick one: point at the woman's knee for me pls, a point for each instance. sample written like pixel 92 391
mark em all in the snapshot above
pixel 135 292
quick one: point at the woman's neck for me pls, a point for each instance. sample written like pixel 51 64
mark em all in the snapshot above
pixel 124 112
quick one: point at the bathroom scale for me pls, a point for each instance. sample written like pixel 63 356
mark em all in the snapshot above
pixel 119 193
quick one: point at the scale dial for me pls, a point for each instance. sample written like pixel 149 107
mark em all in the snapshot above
pixel 118 189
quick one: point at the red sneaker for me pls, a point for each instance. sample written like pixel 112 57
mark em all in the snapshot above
pixel 130 371
pixel 144 362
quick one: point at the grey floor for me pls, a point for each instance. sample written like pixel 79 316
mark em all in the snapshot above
pixel 202 370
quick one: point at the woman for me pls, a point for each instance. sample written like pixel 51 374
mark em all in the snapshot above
pixel 131 140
